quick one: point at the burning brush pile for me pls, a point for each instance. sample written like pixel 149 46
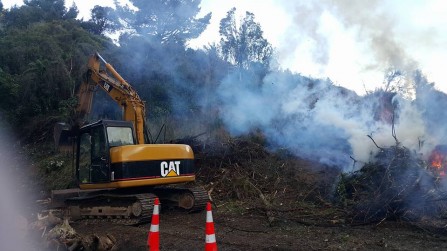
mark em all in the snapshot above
pixel 399 185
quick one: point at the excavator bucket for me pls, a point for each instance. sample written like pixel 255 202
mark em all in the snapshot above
pixel 63 136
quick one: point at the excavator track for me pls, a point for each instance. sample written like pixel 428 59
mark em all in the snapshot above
pixel 128 209
pixel 190 199
pixel 201 198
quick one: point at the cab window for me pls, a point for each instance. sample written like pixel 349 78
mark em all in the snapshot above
pixel 120 136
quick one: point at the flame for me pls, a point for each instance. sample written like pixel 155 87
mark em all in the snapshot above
pixel 437 161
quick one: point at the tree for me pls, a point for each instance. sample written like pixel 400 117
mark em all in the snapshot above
pixel 52 8
pixel 34 11
pixel 8 91
pixel 1 15
pixel 72 12
pixel 399 82
pixel 164 21
pixel 103 20
pixel 40 65
pixel 244 46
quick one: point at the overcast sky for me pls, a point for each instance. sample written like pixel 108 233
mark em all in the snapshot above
pixel 351 42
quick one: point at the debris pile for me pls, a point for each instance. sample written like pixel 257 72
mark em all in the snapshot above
pixel 57 234
pixel 397 186
pixel 241 173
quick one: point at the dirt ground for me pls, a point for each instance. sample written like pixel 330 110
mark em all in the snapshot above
pixel 182 231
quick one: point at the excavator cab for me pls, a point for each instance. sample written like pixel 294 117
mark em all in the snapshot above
pixel 93 145
pixel 108 156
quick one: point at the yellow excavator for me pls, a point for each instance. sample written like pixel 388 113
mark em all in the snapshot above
pixel 117 172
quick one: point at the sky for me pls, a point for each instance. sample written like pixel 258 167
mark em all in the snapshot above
pixel 351 43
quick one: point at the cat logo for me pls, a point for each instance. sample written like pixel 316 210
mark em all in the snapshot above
pixel 169 169
pixel 106 86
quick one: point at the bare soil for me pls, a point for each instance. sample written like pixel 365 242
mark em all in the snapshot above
pixel 183 231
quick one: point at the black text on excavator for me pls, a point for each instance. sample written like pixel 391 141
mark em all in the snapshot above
pixel 117 173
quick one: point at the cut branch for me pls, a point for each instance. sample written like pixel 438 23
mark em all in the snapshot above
pixel 369 136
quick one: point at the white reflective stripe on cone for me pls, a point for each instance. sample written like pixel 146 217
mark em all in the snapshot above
pixel 154 228
pixel 210 238
pixel 209 217
pixel 156 210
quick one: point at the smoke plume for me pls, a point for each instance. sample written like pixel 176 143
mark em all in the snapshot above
pixel 317 120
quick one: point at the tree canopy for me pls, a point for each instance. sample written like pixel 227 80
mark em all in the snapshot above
pixel 34 11
pixel 163 21
pixel 103 20
pixel 244 45
pixel 42 53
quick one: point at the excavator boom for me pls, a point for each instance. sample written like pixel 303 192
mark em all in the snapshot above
pixel 117 88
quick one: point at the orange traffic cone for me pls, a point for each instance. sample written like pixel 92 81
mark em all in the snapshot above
pixel 210 239
pixel 153 238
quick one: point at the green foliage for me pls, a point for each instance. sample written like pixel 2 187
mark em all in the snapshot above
pixel 71 13
pixel 66 108
pixel 54 8
pixel 34 11
pixel 103 20
pixel 41 66
pixel 341 192
pixel 55 170
pixel 166 21
pixel 244 46
pixel 9 89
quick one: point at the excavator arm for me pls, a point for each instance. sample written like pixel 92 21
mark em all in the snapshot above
pixel 117 88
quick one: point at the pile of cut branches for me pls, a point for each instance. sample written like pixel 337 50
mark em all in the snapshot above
pixel 397 186
pixel 242 176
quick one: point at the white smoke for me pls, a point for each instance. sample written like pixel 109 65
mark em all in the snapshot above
pixel 317 120
pixel 13 227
